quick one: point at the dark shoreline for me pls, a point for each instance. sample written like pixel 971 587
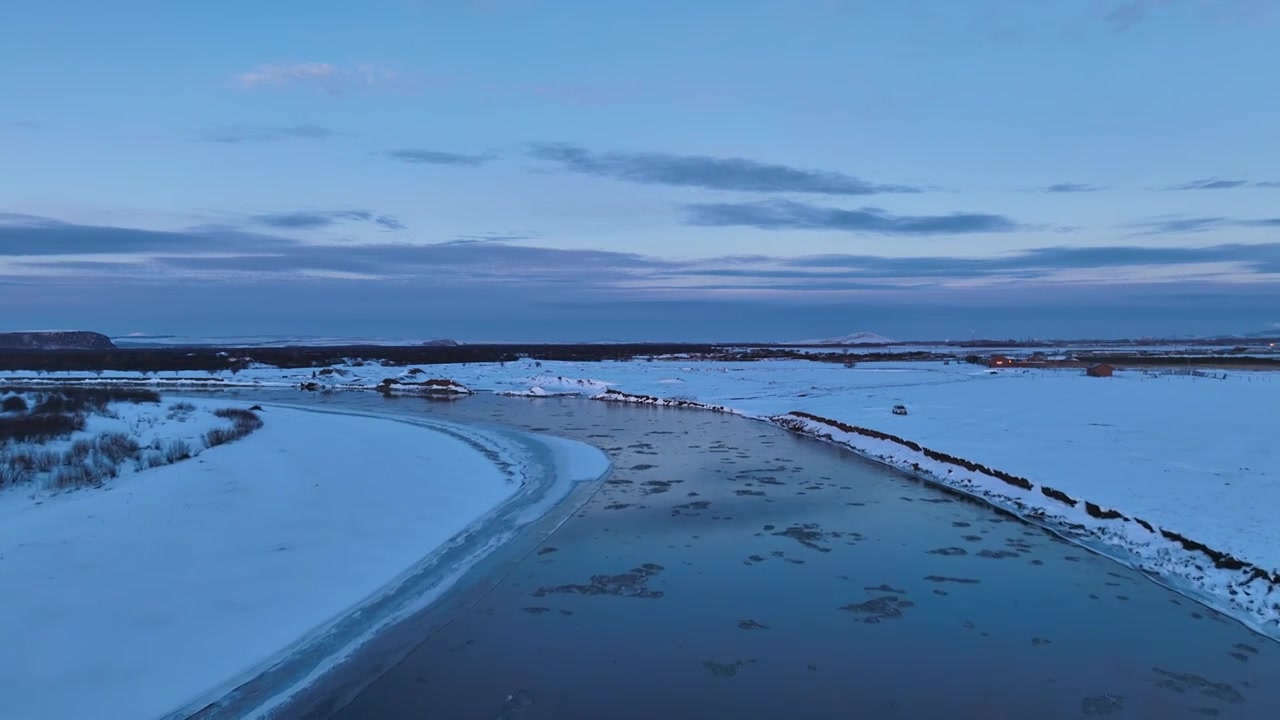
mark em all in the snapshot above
pixel 214 359
pixel 661 632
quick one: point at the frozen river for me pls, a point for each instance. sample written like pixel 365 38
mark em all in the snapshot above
pixel 730 569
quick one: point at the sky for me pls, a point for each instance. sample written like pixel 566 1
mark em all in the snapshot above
pixel 568 170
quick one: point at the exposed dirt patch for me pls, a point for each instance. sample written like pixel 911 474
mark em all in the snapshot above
pixel 728 669
pixel 885 589
pixel 945 579
pixel 997 554
pixel 1018 545
pixel 875 610
pixel 750 624
pixel 1102 704
pixel 808 535
pixel 632 583
pixel 1189 682
pixel 948 551
pixel 691 508
pixel 547 550
pixel 654 487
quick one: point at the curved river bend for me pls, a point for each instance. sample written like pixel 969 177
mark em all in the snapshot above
pixel 729 569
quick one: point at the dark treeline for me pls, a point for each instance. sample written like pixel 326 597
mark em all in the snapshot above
pixel 212 359
pixel 1219 361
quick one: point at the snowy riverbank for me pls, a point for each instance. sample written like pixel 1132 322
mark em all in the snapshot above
pixel 1169 461
pixel 171 586
pixel 1173 454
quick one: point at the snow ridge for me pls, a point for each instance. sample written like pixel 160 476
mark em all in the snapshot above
pixel 1251 593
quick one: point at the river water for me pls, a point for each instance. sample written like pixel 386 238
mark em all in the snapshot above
pixel 728 569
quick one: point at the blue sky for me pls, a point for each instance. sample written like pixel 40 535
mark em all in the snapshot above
pixel 568 170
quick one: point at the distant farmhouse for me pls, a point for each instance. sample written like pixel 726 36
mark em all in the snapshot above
pixel 1100 370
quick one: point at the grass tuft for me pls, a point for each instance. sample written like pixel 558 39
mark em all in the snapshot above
pixel 243 422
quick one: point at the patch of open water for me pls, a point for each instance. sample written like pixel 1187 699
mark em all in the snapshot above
pixel 730 569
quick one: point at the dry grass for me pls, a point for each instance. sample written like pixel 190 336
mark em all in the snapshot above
pixel 40 427
pixel 116 447
pixel 89 462
pixel 180 410
pixel 243 422
pixel 174 451
pixel 14 404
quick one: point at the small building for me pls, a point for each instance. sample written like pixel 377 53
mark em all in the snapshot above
pixel 1100 370
pixel 999 361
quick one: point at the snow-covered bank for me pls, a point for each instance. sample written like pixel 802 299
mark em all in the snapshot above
pixel 1239 587
pixel 52 441
pixel 1189 456
pixel 1172 473
pixel 181 581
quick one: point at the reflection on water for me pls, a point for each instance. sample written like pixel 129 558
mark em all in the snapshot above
pixel 728 569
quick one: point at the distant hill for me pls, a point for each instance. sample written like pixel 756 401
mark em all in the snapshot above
pixel 442 342
pixel 859 338
pixel 55 340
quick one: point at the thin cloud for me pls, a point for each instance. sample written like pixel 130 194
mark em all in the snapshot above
pixel 1264 256
pixel 34 247
pixel 314 220
pixel 323 76
pixel 1125 15
pixel 487 264
pixel 1129 14
pixel 35 236
pixel 852 272
pixel 708 172
pixel 1220 184
pixel 1070 188
pixel 234 134
pixel 787 215
pixel 436 157
pixel 1183 225
pixel 1174 226
pixel 494 237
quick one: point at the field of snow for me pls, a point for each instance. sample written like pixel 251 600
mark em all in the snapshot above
pixel 178 582
pixel 160 433
pixel 1189 455
pixel 1192 455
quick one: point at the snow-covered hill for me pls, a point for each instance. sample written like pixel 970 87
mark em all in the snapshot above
pixel 858 338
